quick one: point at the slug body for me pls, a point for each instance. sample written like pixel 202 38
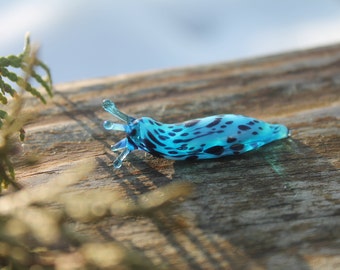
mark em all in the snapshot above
pixel 202 138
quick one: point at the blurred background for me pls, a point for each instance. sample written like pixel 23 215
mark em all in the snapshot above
pixel 85 39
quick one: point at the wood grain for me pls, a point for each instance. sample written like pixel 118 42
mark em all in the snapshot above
pixel 274 208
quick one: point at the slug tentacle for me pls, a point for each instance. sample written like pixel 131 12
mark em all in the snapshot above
pixel 110 107
pixel 108 125
pixel 122 144
pixel 202 138
pixel 119 160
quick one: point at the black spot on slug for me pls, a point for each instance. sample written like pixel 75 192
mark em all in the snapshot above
pixel 215 150
pixel 231 139
pixel 184 146
pixel 237 147
pixel 131 142
pixel 243 127
pixel 177 129
pixel 148 144
pixel 133 132
pixel 185 134
pixel 161 130
pixel 154 139
pixel 215 122
pixel 229 122
pixel 191 123
pixel 254 133
pixel 173 152
pixel 184 140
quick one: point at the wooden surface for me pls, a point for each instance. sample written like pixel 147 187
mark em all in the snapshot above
pixel 274 208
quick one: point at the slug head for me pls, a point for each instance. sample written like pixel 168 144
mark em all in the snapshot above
pixel 131 128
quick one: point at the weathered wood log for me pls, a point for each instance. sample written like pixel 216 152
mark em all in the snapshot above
pixel 274 208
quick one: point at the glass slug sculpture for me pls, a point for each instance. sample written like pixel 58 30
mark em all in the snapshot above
pixel 202 138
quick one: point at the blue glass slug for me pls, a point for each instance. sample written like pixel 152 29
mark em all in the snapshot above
pixel 202 138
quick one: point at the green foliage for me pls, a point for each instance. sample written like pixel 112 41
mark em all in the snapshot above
pixel 27 62
pixel 11 117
